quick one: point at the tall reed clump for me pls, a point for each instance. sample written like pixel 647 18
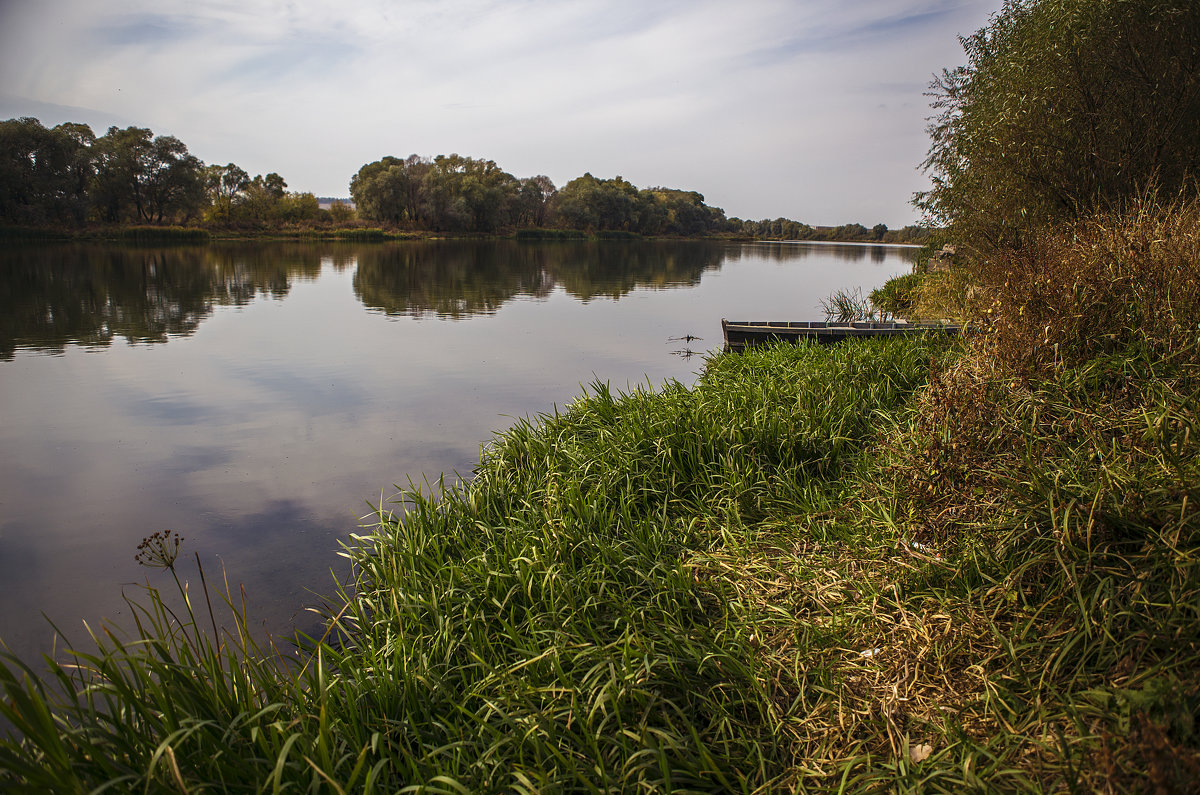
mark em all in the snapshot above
pixel 848 306
pixel 1043 627
pixel 554 624
pixel 550 234
pixel 155 235
pixel 897 296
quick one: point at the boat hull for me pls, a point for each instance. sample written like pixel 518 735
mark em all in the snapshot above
pixel 742 334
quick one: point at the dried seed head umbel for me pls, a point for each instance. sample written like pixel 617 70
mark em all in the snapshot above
pixel 159 550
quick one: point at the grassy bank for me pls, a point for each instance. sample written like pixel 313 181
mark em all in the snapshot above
pixel 554 623
pixel 917 565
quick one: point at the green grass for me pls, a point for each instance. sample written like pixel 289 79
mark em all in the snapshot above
pixel 550 234
pixel 548 625
pixel 896 296
pixel 155 235
pixel 847 306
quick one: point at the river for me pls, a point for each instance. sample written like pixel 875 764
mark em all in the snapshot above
pixel 261 398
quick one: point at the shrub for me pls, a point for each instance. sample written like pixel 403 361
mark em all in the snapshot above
pixel 897 296
pixel 1107 283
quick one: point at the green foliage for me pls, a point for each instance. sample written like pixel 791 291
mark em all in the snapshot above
pixel 224 185
pixel 1064 106
pixel 162 235
pixel 239 202
pixel 550 234
pixel 889 565
pixel 463 195
pixel 592 204
pixel 44 174
pixel 341 212
pixel 847 306
pixel 362 235
pixel 130 176
pixel 786 229
pixel 145 178
pixel 616 209
pixel 451 193
pixel 896 296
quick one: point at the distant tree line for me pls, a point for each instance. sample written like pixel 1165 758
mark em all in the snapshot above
pixel 452 193
pixel 786 229
pixel 67 176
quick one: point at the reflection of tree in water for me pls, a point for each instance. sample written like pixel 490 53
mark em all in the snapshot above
pixel 462 278
pixel 449 278
pixel 590 270
pixel 52 297
pixel 55 296
pixel 784 252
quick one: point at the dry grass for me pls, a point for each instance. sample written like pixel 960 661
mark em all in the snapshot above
pixel 1009 592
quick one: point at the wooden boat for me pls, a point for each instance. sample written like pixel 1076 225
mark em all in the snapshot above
pixel 739 334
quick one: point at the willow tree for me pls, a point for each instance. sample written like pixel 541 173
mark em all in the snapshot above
pixel 1064 106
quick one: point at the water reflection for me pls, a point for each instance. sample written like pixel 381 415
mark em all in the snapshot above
pixel 452 279
pixel 90 295
pixel 456 279
pixel 783 251
pixel 54 297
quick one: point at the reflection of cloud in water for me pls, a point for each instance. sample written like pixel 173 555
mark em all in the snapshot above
pixel 173 409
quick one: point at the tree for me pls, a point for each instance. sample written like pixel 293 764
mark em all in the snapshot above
pixel 297 207
pixel 173 182
pixel 44 173
pixel 531 206
pixel 341 212
pixel 665 211
pixel 597 204
pixel 224 184
pixel 258 201
pixel 467 195
pixel 274 185
pixel 144 178
pixel 1064 106
pixel 389 190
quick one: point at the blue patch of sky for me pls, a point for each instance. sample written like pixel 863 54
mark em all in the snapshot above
pixel 901 24
pixel 146 29
pixel 318 395
pixel 304 58
pixel 50 114
pixel 828 40
pixel 171 409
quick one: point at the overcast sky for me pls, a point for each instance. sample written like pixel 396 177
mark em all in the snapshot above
pixel 807 109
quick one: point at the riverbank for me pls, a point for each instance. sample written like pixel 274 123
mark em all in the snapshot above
pixel 916 564
pixel 190 235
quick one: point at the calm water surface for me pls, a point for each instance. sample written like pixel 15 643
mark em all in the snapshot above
pixel 259 399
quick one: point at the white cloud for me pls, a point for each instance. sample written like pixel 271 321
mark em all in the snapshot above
pixel 810 109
